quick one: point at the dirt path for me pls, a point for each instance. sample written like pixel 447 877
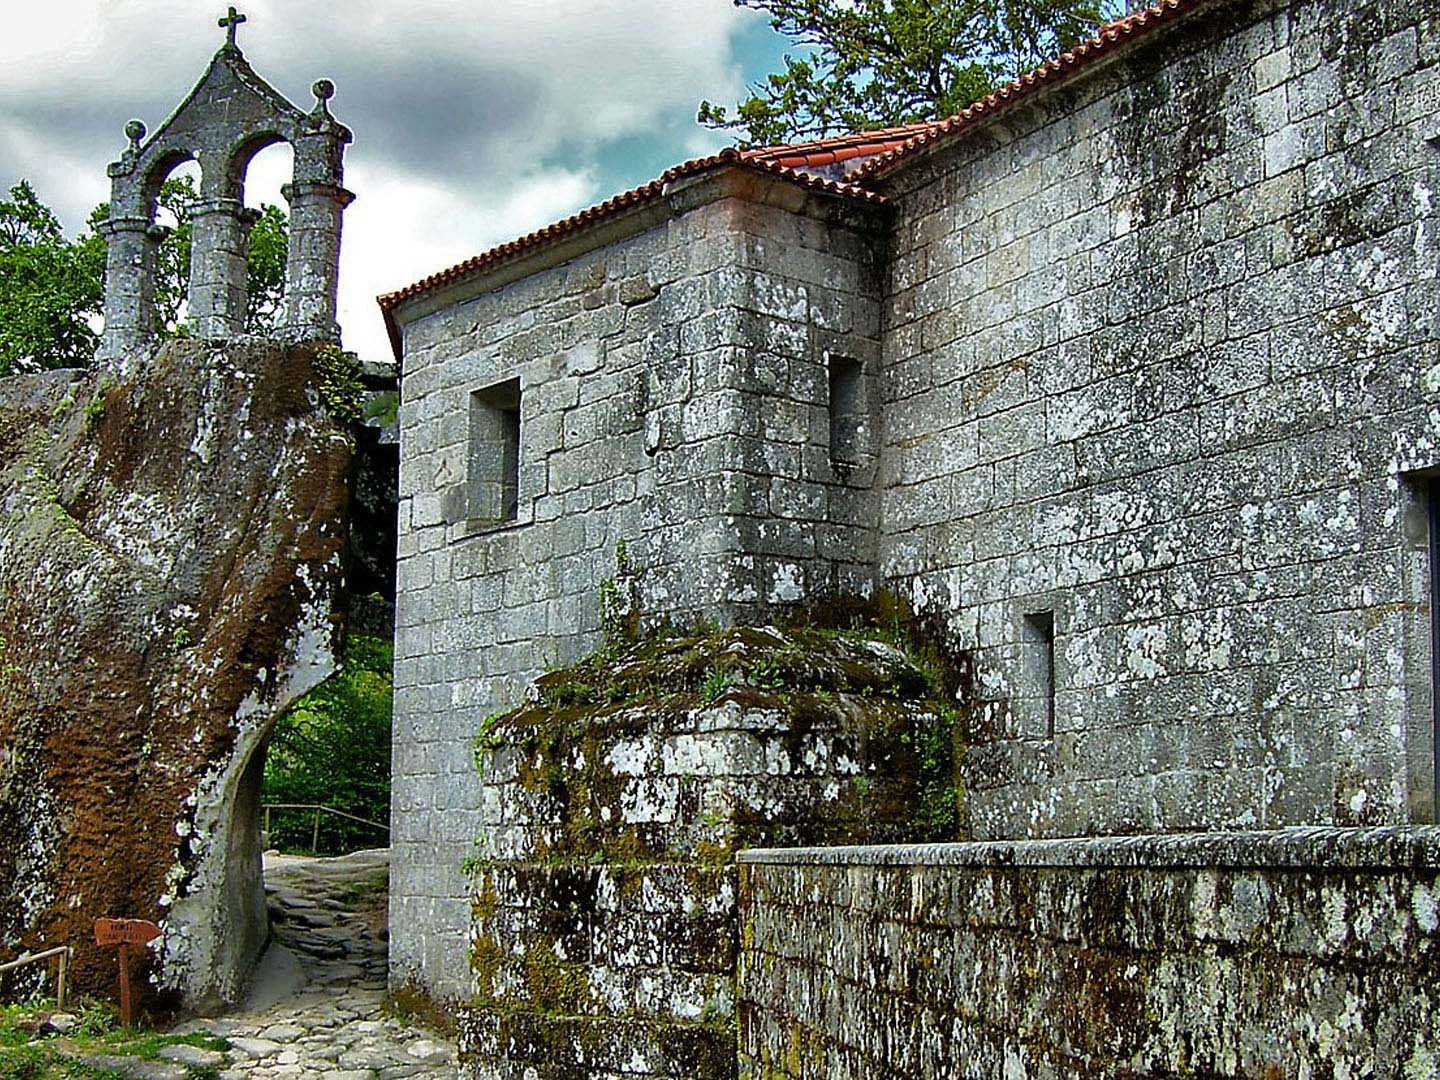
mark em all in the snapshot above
pixel 317 1008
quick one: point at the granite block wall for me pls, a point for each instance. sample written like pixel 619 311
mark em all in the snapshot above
pixel 1299 953
pixel 597 970
pixel 1160 366
pixel 673 397
pixel 1146 410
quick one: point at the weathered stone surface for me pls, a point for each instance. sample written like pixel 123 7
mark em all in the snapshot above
pixel 660 422
pixel 195 1056
pixel 170 557
pixel 1298 953
pixel 604 935
pixel 1160 359
pixel 1151 355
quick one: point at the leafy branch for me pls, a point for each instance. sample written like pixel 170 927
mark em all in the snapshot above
pixel 867 64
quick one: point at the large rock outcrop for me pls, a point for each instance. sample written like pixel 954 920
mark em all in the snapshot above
pixel 171 550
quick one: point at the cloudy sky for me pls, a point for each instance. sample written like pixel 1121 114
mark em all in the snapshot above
pixel 475 120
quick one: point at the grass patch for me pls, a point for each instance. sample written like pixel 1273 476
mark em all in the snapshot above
pixel 30 1052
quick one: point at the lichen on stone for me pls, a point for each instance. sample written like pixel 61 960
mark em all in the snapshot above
pixel 170 559
pixel 604 897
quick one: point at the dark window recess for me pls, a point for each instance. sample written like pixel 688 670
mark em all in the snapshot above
pixel 494 469
pixel 1039 646
pixel 1432 506
pixel 848 412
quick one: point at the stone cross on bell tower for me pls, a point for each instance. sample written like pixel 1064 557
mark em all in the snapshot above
pixel 230 23
pixel 230 116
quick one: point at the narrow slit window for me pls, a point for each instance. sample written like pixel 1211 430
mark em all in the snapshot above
pixel 1432 508
pixel 1039 646
pixel 847 411
pixel 494 468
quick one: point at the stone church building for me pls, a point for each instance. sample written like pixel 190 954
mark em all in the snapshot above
pixel 1129 372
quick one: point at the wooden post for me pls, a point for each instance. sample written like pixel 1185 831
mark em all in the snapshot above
pixel 267 821
pixel 60 979
pixel 315 836
pixel 125 932
pixel 124 984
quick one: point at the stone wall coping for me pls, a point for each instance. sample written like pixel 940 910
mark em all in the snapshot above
pixel 1379 848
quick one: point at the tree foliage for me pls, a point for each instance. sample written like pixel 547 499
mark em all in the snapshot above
pixel 265 283
pixel 52 288
pixel 333 749
pixel 867 64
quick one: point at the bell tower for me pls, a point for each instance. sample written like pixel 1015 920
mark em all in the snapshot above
pixel 227 118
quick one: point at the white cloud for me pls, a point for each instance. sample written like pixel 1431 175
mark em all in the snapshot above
pixel 474 122
pixel 407 220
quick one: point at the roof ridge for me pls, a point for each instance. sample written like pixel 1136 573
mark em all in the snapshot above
pixel 1117 32
pixel 845 139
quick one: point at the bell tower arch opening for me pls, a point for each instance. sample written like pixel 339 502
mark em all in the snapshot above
pixel 172 188
pixel 263 169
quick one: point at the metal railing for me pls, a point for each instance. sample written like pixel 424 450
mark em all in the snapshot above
pixel 315 833
pixel 64 952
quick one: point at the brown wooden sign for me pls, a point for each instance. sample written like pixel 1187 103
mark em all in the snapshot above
pixel 125 932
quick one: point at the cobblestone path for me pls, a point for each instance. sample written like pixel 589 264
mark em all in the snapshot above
pixel 318 1004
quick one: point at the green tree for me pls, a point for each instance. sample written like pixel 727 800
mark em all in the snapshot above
pixel 868 64
pixel 50 288
pixel 265 285
pixel 332 748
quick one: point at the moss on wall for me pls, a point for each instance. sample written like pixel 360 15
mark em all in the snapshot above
pixel 604 899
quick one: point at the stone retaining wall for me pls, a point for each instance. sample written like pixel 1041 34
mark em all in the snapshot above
pixel 1298 953
pixel 604 927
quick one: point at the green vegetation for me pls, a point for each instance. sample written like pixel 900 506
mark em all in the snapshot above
pixel 52 288
pixel 29 1051
pixel 866 64
pixel 333 749
pixel 383 408
pixel 338 382
pixel 619 614
pixel 413 1007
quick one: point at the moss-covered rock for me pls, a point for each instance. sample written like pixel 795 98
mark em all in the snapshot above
pixel 171 552
pixel 605 890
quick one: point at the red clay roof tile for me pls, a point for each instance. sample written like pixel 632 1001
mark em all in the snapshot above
pixel 1103 44
pixel 820 152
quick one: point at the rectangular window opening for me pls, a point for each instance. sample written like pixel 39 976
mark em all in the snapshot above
pixel 848 413
pixel 494 467
pixel 1432 513
pixel 1039 645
